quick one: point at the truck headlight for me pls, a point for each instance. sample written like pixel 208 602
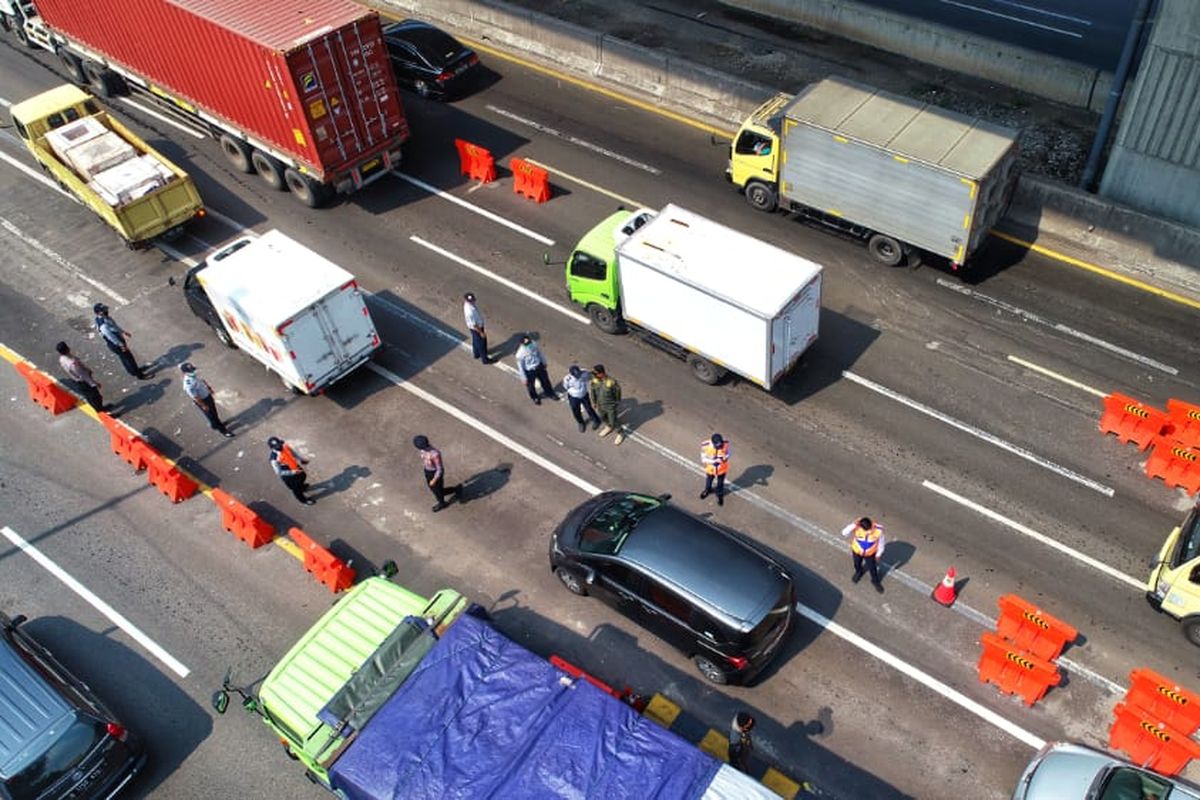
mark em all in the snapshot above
pixel 1160 591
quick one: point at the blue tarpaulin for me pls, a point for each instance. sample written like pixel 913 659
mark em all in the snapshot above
pixel 482 717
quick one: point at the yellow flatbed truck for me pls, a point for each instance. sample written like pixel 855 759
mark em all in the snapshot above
pixel 90 154
pixel 1174 584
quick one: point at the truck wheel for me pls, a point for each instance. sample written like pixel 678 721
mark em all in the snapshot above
pixel 572 581
pixel 223 336
pixel 287 385
pixel 711 672
pixel 605 319
pixel 885 249
pixel 22 36
pixel 238 153
pixel 269 169
pixel 73 66
pixel 306 190
pixel 705 371
pixel 100 80
pixel 761 196
pixel 1191 630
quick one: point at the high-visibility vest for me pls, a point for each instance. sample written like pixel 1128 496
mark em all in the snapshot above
pixel 288 458
pixel 865 543
pixel 715 459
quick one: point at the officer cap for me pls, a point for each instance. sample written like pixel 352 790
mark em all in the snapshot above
pixel 420 442
pixel 575 371
pixel 99 308
pixel 525 338
pixel 187 367
pixel 62 348
pixel 718 440
pixel 275 443
pixel 598 369
pixel 469 297
pixel 865 523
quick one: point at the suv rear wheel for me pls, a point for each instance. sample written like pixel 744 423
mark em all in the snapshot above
pixel 709 669
pixel 572 581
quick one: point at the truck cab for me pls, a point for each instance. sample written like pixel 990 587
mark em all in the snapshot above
pixel 592 267
pixel 1174 583
pixel 754 154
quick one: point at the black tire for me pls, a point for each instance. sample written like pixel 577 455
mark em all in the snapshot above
pixel 73 66
pixel 761 196
pixel 288 386
pixel 23 37
pixel 885 249
pixel 709 669
pixel 605 319
pixel 238 153
pixel 269 169
pixel 100 80
pixel 573 583
pixel 305 189
pixel 222 335
pixel 1191 630
pixel 705 371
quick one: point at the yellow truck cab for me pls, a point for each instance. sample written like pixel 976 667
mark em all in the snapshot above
pixel 754 157
pixel 91 155
pixel 1174 584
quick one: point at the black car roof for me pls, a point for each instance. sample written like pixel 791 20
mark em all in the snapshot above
pixel 718 571
pixel 433 43
pixel 28 705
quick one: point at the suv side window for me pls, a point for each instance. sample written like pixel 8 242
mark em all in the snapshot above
pixel 619 575
pixel 665 599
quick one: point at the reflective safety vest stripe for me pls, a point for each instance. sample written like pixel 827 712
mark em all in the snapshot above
pixel 288 458
pixel 865 543
pixel 715 460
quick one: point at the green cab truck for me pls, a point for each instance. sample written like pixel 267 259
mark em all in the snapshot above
pixel 106 166
pixel 1174 584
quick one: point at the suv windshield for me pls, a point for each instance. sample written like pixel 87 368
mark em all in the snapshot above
pixel 607 530
pixel 1127 783
pixel 57 759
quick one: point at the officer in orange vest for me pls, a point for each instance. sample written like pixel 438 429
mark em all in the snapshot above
pixel 290 468
pixel 714 457
pixel 866 546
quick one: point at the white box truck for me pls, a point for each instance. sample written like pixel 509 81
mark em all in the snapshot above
pixel 722 300
pixel 296 312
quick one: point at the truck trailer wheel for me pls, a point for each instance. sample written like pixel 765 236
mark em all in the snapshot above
pixel 605 319
pixel 705 371
pixel 761 196
pixel 306 190
pixel 73 66
pixel 885 249
pixel 269 169
pixel 1191 630
pixel 102 82
pixel 238 153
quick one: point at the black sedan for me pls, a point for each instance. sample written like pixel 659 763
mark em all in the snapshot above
pixel 431 61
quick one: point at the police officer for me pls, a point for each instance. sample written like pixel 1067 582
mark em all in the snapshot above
pixel 116 338
pixel 575 382
pixel 531 366
pixel 714 457
pixel 740 743
pixel 290 468
pixel 866 547
pixel 201 393
pixel 435 475
pixel 474 319
pixel 81 377
pixel 606 397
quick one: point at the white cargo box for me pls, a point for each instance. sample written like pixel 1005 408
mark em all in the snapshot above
pixel 741 303
pixel 94 154
pixel 297 312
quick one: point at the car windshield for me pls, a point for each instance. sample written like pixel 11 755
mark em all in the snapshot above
pixel 1189 538
pixel 608 529
pixel 61 756
pixel 1128 783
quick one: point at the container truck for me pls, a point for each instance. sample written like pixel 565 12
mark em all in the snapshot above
pixel 721 300
pixel 1174 584
pixel 392 696
pixel 297 313
pixel 903 176
pixel 91 155
pixel 301 93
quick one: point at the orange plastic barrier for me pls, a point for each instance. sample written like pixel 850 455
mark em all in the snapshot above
pixel 1132 421
pixel 529 180
pixel 44 390
pixel 166 477
pixel 1176 463
pixel 323 565
pixel 1032 629
pixel 1015 671
pixel 1184 419
pixel 242 521
pixel 1149 742
pixel 125 442
pixel 1163 699
pixel 475 162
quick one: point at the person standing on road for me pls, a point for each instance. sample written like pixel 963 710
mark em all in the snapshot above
pixel 474 320
pixel 117 340
pixel 714 457
pixel 575 382
pixel 431 461
pixel 740 743
pixel 81 377
pixel 531 366
pixel 290 468
pixel 606 397
pixel 202 395
pixel 866 546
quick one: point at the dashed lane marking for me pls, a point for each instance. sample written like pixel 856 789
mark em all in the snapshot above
pixel 586 184
pixel 1056 376
pixel 74 271
pixel 575 140
pixel 483 212
pixel 190 131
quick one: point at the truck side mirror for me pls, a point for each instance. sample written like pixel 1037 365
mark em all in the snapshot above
pixel 220 701
pixel 389 569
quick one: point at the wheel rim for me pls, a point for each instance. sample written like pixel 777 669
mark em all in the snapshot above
pixel 299 187
pixel 1192 632
pixel 570 581
pixel 709 670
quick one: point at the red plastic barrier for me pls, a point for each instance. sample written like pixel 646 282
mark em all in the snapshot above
pixel 1131 420
pixel 242 521
pixel 1163 699
pixel 44 390
pixel 1015 671
pixel 530 180
pixel 475 162
pixel 166 477
pixel 1177 464
pixel 1032 629
pixel 576 672
pixel 125 442
pixel 1185 421
pixel 1149 742
pixel 323 565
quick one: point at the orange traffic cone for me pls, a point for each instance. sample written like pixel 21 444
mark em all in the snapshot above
pixel 945 592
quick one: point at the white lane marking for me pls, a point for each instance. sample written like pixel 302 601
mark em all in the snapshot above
pixel 1030 316
pixel 1056 376
pixel 37 176
pixel 476 209
pixel 980 434
pixel 487 273
pixel 1019 20
pixel 190 131
pixel 575 140
pixel 5 102
pixel 1038 537
pixel 74 271
pixel 925 679
pixel 586 184
pixel 104 608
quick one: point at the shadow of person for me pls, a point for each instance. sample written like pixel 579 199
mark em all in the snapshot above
pixel 498 352
pixel 143 395
pixel 260 410
pixel 338 483
pixel 172 358
pixel 757 475
pixel 895 556
pixel 634 414
pixel 481 484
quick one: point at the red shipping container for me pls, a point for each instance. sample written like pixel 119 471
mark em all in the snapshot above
pixel 310 78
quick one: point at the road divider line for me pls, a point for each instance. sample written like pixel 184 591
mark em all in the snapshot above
pixel 1054 544
pixel 483 212
pixel 75 271
pixel 190 131
pixel 586 184
pixel 978 433
pixel 500 279
pixel 37 176
pixel 113 616
pixel 925 679
pixel 1056 376
pixel 575 140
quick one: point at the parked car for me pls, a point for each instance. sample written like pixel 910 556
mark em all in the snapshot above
pixel 428 59
pixel 1064 771
pixel 713 594
pixel 57 739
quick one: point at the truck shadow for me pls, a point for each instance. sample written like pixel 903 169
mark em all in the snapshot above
pixel 414 339
pixel 843 339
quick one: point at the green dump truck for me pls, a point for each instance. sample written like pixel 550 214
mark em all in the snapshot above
pixel 106 166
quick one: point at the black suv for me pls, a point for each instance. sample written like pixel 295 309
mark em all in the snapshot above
pixel 713 594
pixel 431 61
pixel 57 740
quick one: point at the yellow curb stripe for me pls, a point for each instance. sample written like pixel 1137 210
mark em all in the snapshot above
pixel 1098 270
pixel 11 356
pixel 288 546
